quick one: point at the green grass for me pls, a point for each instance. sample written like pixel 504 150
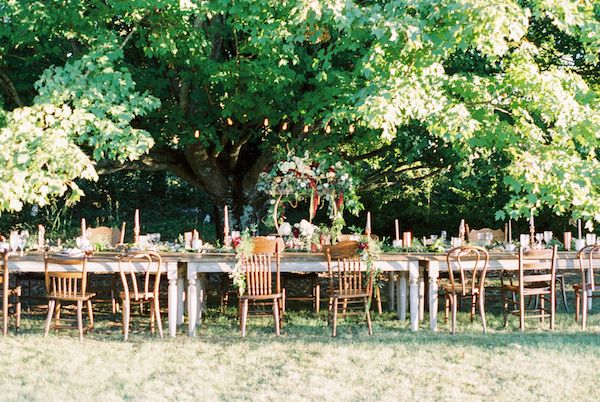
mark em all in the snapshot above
pixel 305 363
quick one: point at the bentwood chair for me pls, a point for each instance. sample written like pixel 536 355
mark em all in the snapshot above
pixel 8 292
pixel 140 276
pixel 590 281
pixel 66 282
pixel 263 287
pixel 536 278
pixel 470 263
pixel 347 289
pixel 105 285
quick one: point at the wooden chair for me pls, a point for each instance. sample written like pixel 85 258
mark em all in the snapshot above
pixel 590 281
pixel 346 284
pixel 106 289
pixel 140 286
pixel 470 283
pixel 103 235
pixel 478 235
pixel 536 278
pixel 67 285
pixel 7 292
pixel 260 286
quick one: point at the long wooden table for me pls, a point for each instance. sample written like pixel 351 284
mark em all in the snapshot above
pixel 407 272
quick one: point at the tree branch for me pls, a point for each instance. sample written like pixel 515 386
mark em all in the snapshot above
pixel 10 88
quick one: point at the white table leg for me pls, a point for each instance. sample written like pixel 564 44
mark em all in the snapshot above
pixel 401 289
pixel 434 273
pixel 421 295
pixel 414 295
pixel 192 302
pixel 589 292
pixel 172 313
pixel 391 291
pixel 180 299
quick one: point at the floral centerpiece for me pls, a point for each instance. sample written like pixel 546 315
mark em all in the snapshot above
pixel 300 178
pixel 369 250
pixel 243 246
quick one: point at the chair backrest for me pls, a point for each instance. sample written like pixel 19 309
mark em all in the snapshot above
pixel 471 264
pixel 257 267
pixel 346 276
pixel 103 235
pixel 478 235
pixel 587 257
pixel 140 274
pixel 537 266
pixel 70 280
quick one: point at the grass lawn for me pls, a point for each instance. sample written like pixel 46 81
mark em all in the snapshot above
pixel 306 363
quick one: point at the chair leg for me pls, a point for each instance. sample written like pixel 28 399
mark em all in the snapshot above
pixel 552 308
pixel 335 314
pixel 564 293
pixel 473 305
pixel 378 295
pixel 577 301
pixel 446 307
pixel 542 304
pixel 584 303
pixel 504 306
pixel 152 317
pixel 522 312
pixel 481 299
pixel 80 319
pixel 454 303
pixel 276 316
pixel 126 316
pixel 368 314
pixel 158 319
pixel 51 304
pixel 5 309
pixel 244 317
pixel 90 314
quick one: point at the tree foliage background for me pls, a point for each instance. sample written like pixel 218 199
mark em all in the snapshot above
pixel 457 107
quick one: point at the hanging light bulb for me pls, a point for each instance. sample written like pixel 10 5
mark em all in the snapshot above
pixel 266 122
pixel 328 129
pixel 284 126
pixel 351 128
pixel 305 130
pixel 229 121
pixel 197 134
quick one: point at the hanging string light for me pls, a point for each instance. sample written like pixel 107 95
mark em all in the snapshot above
pixel 305 130
pixel 197 134
pixel 351 128
pixel 266 122
pixel 284 126
pixel 229 121
pixel 328 129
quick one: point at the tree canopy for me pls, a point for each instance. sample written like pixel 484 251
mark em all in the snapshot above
pixel 216 91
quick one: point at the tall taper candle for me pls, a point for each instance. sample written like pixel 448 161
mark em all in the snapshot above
pixel 397 229
pixel 136 226
pixel 531 220
pixel 83 226
pixel 226 222
pixel 122 234
pixel 41 237
pixel 510 231
pixel 368 226
pixel 579 235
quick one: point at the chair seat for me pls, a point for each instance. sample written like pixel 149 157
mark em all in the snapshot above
pixel 143 296
pixel 458 289
pixel 530 289
pixel 577 287
pixel 262 297
pixel 344 294
pixel 85 297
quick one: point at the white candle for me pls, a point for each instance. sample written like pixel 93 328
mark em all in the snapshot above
pixel 531 221
pixel 579 228
pixel 461 227
pixel 122 237
pixel 226 222
pixel 368 226
pixel 83 226
pixel 510 231
pixel 397 229
pixel 136 226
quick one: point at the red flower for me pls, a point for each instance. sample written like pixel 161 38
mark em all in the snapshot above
pixel 236 242
pixel 296 232
pixel 363 245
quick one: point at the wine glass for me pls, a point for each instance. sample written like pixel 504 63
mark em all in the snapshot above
pixel 548 236
pixel 14 241
pixel 443 235
pixel 539 237
pixel 489 237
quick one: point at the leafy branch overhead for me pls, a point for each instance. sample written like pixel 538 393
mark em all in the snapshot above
pixel 406 91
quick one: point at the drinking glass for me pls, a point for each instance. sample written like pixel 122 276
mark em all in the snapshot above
pixel 444 235
pixel 548 236
pixel 14 241
pixel 539 237
pixel 489 237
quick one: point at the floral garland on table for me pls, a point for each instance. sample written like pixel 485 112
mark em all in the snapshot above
pixel 369 251
pixel 298 178
pixel 243 246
